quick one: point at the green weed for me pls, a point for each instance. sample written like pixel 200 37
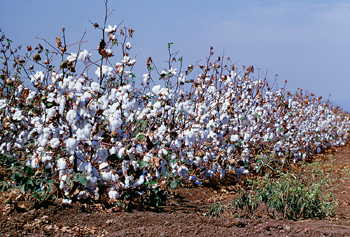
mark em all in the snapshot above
pixel 294 194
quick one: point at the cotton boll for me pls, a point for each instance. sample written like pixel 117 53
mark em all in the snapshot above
pixel 71 145
pixel 91 181
pixel 84 56
pixel 113 150
pixel 72 57
pixel 72 116
pixel 62 105
pixel 125 166
pixel 102 154
pixel 95 145
pixel 182 171
pixel 35 163
pixel 135 164
pixel 157 173
pixel 140 181
pixel 146 78
pixel 62 166
pixel 111 29
pixel 95 87
pixel 247 137
pixel 121 152
pixel 128 181
pixel 66 201
pixel 115 124
pixel 106 176
pixel 222 172
pixel 103 166
pixel 104 101
pixel 106 71
pixel 156 89
pixel 113 194
pixel 234 138
pixel 37 78
pixel 46 158
pixel 177 143
pixel 82 195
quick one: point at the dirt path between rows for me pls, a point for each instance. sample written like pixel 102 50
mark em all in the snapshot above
pixel 185 215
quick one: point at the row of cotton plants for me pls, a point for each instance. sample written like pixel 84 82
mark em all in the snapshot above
pixel 176 125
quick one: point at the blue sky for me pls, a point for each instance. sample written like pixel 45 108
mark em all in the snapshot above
pixel 304 42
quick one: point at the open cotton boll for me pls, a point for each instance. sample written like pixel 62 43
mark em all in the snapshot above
pixel 113 194
pixel 104 101
pixel 182 171
pixel 156 89
pixel 95 87
pixel 37 78
pixel 128 181
pixel 140 181
pixel 135 164
pixel 71 145
pixel 72 116
pixel 46 158
pixel 103 166
pixel 106 176
pixel 72 57
pixel 146 78
pixel 84 56
pixel 62 166
pixel 106 71
pixel 3 103
pixel 91 181
pixel 95 145
pixel 102 154
pixel 247 137
pixel 111 29
pixel 189 138
pixel 121 152
pixel 82 195
pixel 125 166
pixel 62 105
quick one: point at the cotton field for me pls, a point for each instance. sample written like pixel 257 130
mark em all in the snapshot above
pixel 190 124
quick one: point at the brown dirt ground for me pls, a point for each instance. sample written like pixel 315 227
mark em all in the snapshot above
pixel 185 215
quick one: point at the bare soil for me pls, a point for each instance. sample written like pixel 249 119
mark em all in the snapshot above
pixel 184 215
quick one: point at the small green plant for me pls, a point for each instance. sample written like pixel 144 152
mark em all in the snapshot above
pixel 216 209
pixel 142 198
pixel 294 194
pixel 16 175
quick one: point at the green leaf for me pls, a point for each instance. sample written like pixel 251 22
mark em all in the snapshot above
pixel 174 161
pixel 50 105
pixel 22 189
pixel 141 138
pixel 151 183
pixel 132 75
pixel 64 64
pixel 29 170
pixel 173 184
pixel 142 164
pixel 81 178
